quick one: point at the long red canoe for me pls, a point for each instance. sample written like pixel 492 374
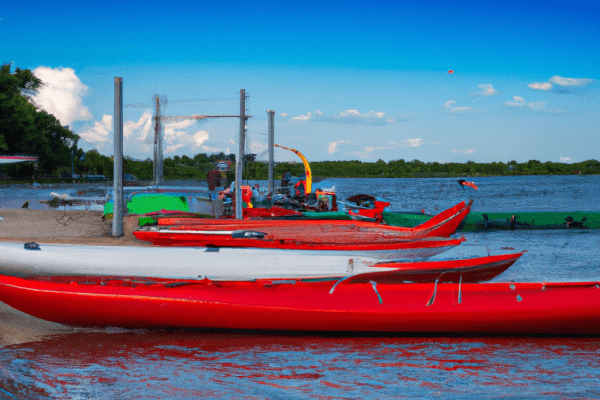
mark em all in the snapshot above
pixel 441 225
pixel 493 308
pixel 383 248
pixel 307 234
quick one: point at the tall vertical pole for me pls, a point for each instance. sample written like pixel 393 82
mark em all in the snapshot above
pixel 271 114
pixel 240 157
pixel 158 161
pixel 117 225
pixel 160 154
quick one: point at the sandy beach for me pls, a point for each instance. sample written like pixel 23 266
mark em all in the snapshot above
pixel 71 227
pixel 53 226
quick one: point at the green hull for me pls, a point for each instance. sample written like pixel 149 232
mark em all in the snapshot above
pixel 476 221
pixel 147 203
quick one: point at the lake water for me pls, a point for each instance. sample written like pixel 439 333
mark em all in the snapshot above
pixel 112 363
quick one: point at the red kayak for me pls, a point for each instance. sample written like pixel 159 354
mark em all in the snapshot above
pixel 299 305
pixel 383 248
pixel 443 224
pixel 304 234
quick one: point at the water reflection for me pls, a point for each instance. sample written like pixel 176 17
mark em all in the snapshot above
pixel 189 364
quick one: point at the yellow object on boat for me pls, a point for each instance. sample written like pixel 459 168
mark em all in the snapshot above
pixel 306 167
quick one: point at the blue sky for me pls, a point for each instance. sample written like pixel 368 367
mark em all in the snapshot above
pixel 347 80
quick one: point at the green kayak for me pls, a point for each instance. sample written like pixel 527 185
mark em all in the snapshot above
pixel 479 221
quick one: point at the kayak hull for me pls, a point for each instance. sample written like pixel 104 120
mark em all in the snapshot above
pixel 191 262
pixel 443 224
pixel 385 248
pixel 490 308
pixel 519 220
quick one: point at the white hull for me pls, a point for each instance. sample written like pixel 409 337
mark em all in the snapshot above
pixel 178 262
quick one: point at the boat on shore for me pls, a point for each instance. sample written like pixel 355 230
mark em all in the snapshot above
pixel 443 224
pixel 354 237
pixel 463 270
pixel 321 306
pixel 385 249
pixel 17 259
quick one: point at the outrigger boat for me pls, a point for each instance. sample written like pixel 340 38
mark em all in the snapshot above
pixel 443 224
pixel 356 237
pixel 228 265
pixel 383 249
pixel 34 259
pixel 317 305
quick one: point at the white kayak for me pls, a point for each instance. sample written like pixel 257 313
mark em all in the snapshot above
pixel 179 262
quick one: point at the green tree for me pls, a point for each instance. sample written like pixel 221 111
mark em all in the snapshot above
pixel 24 129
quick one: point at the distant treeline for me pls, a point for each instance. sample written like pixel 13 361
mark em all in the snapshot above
pixel 420 169
pixel 197 167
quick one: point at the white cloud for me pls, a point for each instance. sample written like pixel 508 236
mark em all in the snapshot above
pixel 414 142
pixel 139 137
pixel 486 90
pixel 540 86
pixel 258 148
pixel 564 159
pixel 302 117
pixel 363 154
pixel 61 95
pixel 407 143
pixel 562 81
pixel 520 102
pixel 367 152
pixel 177 130
pixel 352 117
pixel 171 149
pixel 559 80
pixel 449 103
pixel 284 114
pixel 99 133
pixel 461 109
pixel 145 121
pixel 466 151
pixel 211 150
pixel 332 147
pixel 199 138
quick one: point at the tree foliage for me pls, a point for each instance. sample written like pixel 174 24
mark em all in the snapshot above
pixel 24 129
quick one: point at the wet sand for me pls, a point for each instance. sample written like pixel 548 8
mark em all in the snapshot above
pixel 53 226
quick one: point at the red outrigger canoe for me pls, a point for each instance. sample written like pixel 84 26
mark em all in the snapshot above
pixel 304 234
pixel 383 249
pixel 443 224
pixel 301 305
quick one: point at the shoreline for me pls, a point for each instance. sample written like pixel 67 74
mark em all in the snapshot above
pixel 78 227
pixel 67 227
